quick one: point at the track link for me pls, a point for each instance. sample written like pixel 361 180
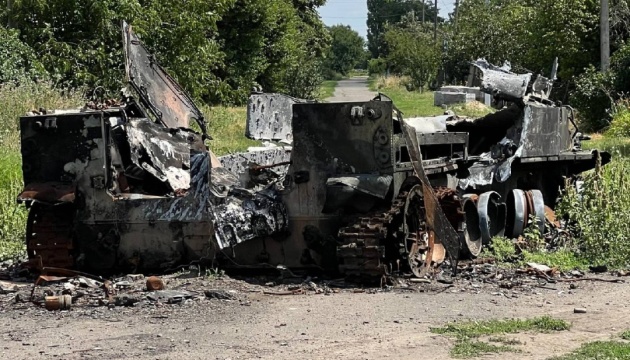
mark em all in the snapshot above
pixel 361 252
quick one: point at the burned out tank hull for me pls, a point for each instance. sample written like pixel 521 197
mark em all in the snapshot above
pixel 341 187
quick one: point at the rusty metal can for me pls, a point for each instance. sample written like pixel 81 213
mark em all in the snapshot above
pixel 155 283
pixel 63 302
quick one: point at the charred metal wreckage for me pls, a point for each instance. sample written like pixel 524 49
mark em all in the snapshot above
pixel 349 187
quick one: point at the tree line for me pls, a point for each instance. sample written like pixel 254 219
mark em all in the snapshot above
pixel 217 49
pixel 529 34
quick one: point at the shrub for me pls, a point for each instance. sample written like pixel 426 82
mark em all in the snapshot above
pixel 620 124
pixel 501 249
pixel 599 213
pixel 592 98
pixel 377 66
pixel 18 62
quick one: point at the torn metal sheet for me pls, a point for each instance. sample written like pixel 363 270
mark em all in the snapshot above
pixel 435 217
pixel 162 153
pixel 270 117
pixel 170 104
pixel 501 82
pixel 246 215
pixel 375 185
pixel 242 164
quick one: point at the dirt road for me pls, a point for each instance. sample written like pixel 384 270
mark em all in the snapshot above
pixel 353 89
pixel 343 325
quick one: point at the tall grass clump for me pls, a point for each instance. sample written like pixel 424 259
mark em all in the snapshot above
pixel 227 125
pixel 12 216
pixel 600 213
pixel 17 100
pixel 620 124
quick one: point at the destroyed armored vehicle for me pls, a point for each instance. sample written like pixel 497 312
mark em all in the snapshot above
pixel 341 187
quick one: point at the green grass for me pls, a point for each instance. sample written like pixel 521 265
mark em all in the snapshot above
pixel 418 104
pixel 473 348
pixel 502 250
pixel 508 326
pixel 562 259
pixel 227 128
pixel 12 216
pixel 604 350
pixel 327 89
pixel 601 215
pixel 617 146
pixel 467 333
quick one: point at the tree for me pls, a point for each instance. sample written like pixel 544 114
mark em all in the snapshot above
pixel 413 52
pixel 18 62
pixel 218 50
pixel 346 49
pixel 546 29
pixel 384 12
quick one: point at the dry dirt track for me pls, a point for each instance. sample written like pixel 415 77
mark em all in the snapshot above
pixel 337 326
pixel 353 89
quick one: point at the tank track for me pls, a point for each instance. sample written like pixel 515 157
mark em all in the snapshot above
pixel 48 235
pixel 362 246
pixel 377 244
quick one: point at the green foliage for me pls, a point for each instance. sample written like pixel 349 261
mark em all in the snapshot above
pixel 625 335
pixel 17 100
pixel 466 333
pixel 184 36
pixel 592 98
pixel 598 350
pixel 410 103
pixel 562 259
pixel 377 66
pixel 218 50
pixel 227 127
pixel 600 213
pixel 546 29
pixel 327 89
pixel 600 96
pixel 18 62
pixel 472 349
pixel 532 239
pixel 346 49
pixel 501 249
pixel 472 329
pixel 619 147
pixel 620 124
pixel 78 42
pixel 12 217
pixel 381 13
pixel 412 52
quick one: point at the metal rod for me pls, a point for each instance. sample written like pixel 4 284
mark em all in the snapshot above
pixel 436 20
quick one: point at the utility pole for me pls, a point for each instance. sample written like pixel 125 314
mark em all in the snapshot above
pixel 435 25
pixel 423 5
pixel 456 13
pixel 9 13
pixel 604 36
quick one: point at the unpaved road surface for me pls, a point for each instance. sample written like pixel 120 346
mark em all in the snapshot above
pixel 353 89
pixel 340 324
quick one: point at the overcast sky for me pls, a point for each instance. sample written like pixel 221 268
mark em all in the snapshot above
pixel 354 13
